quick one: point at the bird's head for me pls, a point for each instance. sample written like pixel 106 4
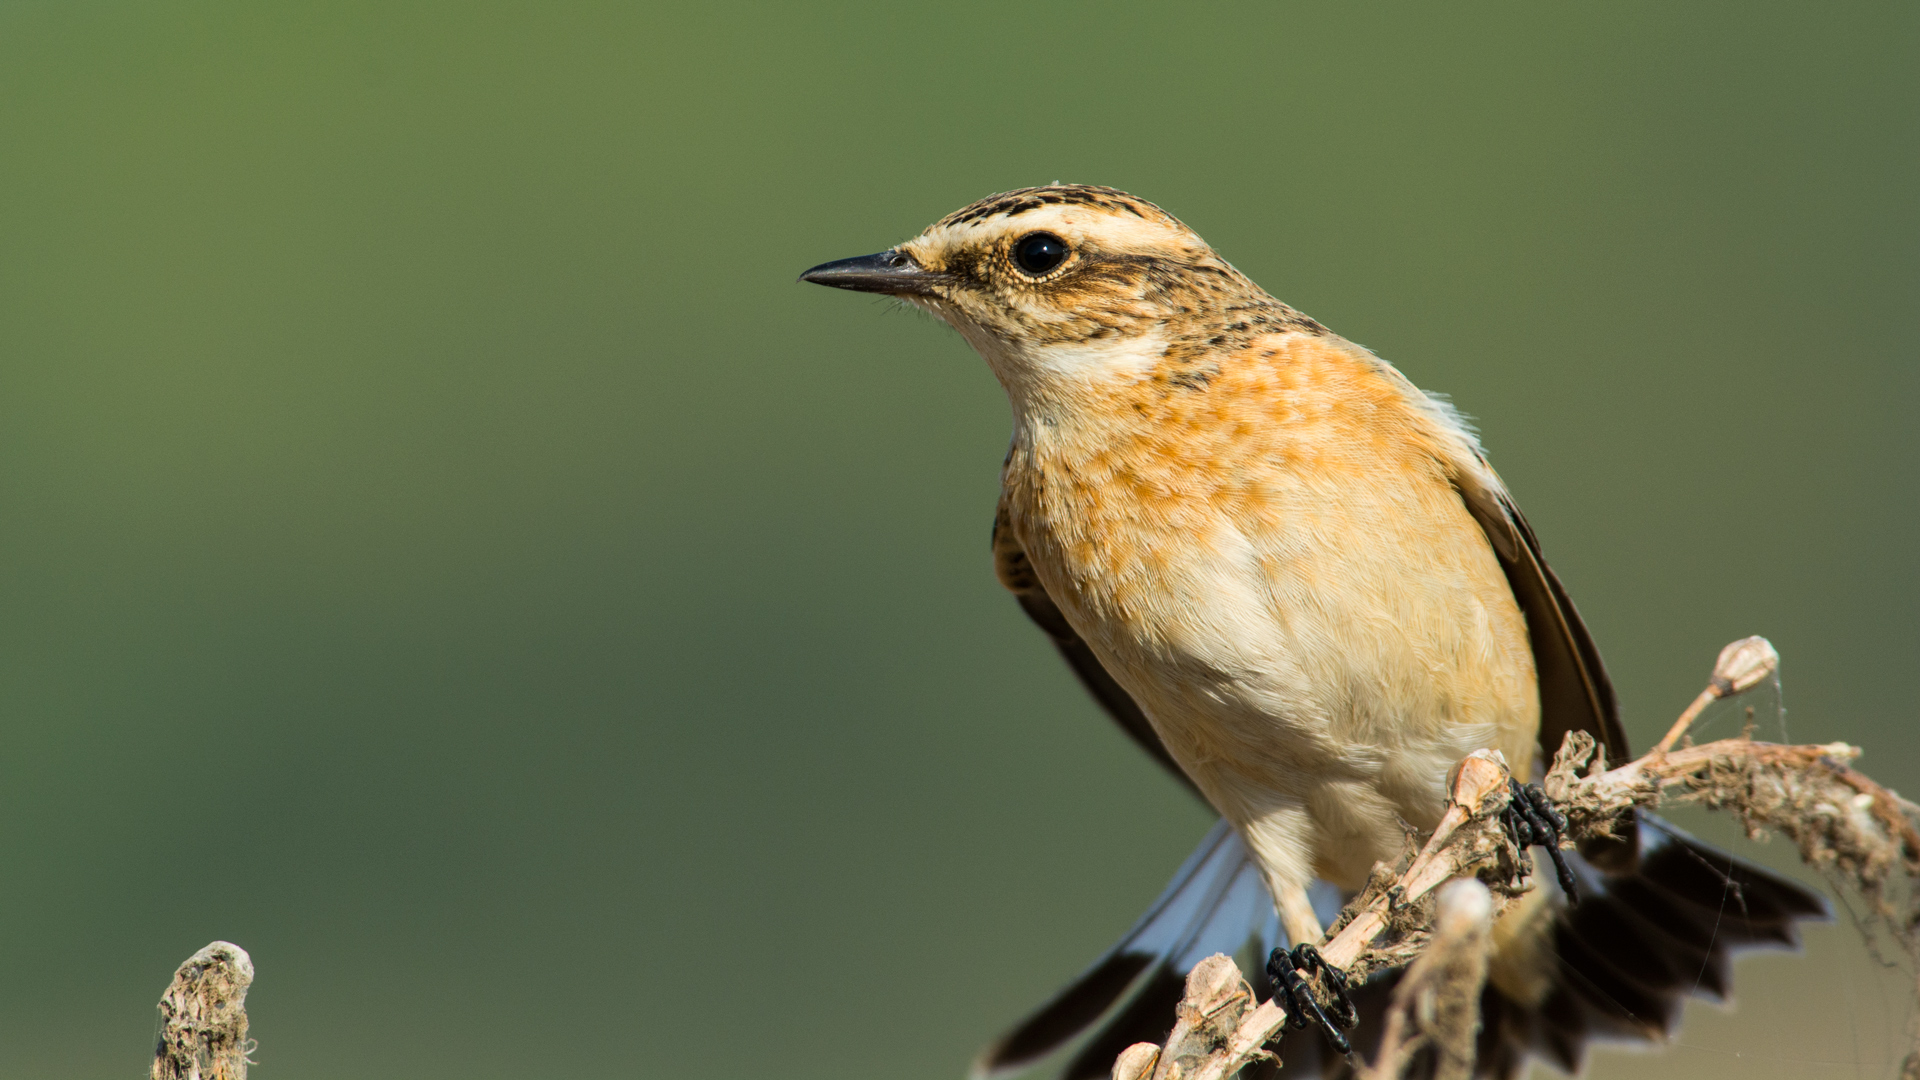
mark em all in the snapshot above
pixel 1067 280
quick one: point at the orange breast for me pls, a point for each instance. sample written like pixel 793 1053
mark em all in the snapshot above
pixel 1282 520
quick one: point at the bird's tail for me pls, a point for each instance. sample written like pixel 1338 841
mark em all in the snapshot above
pixel 1645 936
pixel 1216 903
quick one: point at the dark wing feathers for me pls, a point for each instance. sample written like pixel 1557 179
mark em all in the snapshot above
pixel 1575 693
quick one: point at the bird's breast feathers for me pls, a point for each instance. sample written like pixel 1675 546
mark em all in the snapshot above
pixel 1267 548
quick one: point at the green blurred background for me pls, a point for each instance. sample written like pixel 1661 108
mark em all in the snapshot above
pixel 443 550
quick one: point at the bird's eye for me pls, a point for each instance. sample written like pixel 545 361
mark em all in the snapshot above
pixel 1037 253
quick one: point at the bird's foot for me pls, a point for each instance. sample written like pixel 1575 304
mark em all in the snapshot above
pixel 1532 819
pixel 1293 989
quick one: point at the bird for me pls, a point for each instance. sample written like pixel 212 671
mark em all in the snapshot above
pixel 1295 581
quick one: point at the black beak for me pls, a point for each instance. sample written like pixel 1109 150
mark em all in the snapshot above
pixel 891 272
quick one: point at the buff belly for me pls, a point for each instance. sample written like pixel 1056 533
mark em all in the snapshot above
pixel 1316 693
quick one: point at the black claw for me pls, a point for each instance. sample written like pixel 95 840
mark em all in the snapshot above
pixel 1308 958
pixel 1533 819
pixel 1284 969
pixel 1537 798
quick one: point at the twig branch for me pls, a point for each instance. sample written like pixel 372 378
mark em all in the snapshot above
pixel 1437 1003
pixel 1859 834
pixel 203 1017
pixel 1740 668
pixel 1845 825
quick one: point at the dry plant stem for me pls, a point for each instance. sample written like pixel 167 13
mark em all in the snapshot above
pixel 1847 826
pixel 203 1017
pixel 1741 667
pixel 1478 793
pixel 1692 713
pixel 1437 1003
pixel 1705 772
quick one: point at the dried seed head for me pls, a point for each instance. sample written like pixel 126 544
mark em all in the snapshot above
pixel 1136 1062
pixel 1743 665
pixel 203 1017
pixel 1213 984
pixel 1465 907
pixel 1477 776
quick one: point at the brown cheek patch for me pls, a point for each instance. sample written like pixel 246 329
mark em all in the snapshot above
pixel 967 265
pixel 1097 282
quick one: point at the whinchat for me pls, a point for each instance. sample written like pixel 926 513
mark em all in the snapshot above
pixel 1295 579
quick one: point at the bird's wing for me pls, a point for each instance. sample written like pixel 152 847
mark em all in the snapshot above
pixel 1011 565
pixel 1575 693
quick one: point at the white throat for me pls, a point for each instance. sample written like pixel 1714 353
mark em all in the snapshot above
pixel 1044 379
